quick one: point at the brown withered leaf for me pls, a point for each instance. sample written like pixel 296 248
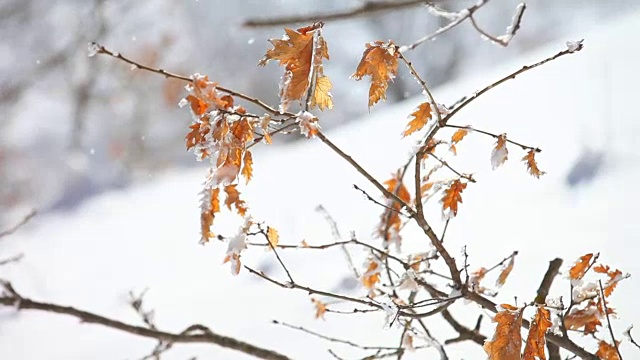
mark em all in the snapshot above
pixel 534 348
pixel 321 308
pixel 504 274
pixel 506 342
pixel 607 351
pixel 208 214
pixel 380 61
pixel 371 276
pixel 532 165
pixel 294 53
pixel 453 196
pixel 456 138
pixel 233 198
pixel 247 167
pixel 614 277
pixel 581 266
pixel 419 119
pixel 587 318
pixel 500 153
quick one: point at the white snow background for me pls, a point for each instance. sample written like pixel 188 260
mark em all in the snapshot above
pixel 147 236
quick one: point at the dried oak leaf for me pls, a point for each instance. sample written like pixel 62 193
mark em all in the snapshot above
pixel 581 266
pixel 506 342
pixel 453 196
pixel 614 277
pixel 456 138
pixel 321 308
pixel 233 198
pixel 294 52
pixel 500 153
pixel 504 274
pixel 273 236
pixel 247 168
pixel 210 206
pixel 607 351
pixel 372 275
pixel 534 348
pixel 390 218
pixel 420 117
pixel 532 165
pixel 380 61
pixel 321 95
pixel 587 318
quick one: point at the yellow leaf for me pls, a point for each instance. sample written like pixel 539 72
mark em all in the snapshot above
pixel 504 274
pixel 321 308
pixel 321 96
pixel 420 118
pixel 273 236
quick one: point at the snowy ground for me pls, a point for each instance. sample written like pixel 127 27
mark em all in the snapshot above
pixel 146 236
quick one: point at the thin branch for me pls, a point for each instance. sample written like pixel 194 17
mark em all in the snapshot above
pixel 12 259
pixel 446 164
pixel 17 226
pixel 273 248
pixel 460 17
pixel 505 39
pixel 631 339
pixel 495 136
pixel 423 83
pixel 193 334
pixel 367 8
pixel 102 50
pixel 606 312
pixel 464 332
pixel 370 198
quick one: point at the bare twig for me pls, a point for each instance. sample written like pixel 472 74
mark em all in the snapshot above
pixel 193 334
pixel 17 226
pixel 12 259
pixel 630 337
pixel 606 312
pixel 495 136
pixel 446 164
pixel 370 198
pixel 464 332
pixel 505 39
pixel 366 8
pixel 273 248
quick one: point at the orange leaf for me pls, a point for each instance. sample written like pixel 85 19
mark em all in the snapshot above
pixel 198 106
pixel 534 348
pixel 273 236
pixel 614 277
pixel 380 61
pixel 506 342
pixel 210 206
pixel 532 165
pixel 607 351
pixel 453 196
pixel 233 198
pixel 372 275
pixel 247 168
pixel 420 118
pixel 294 52
pixel 321 308
pixel 456 138
pixel 502 278
pixel 304 244
pixel 581 266
pixel 587 318
pixel 500 153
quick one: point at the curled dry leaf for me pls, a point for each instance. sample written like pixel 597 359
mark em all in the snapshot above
pixel 210 205
pixel 321 96
pixel 233 198
pixel 581 266
pixel 247 168
pixel 372 275
pixel 534 348
pixel 506 342
pixel 614 278
pixel 500 153
pixel 390 221
pixel 452 197
pixel 587 319
pixel 321 308
pixel 504 274
pixel 456 138
pixel 419 119
pixel 532 165
pixel 380 61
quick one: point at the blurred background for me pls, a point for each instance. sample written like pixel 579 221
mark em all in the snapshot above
pixel 74 126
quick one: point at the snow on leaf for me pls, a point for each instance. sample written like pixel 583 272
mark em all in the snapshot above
pixel 321 96
pixel 210 205
pixel 452 197
pixel 407 342
pixel 506 342
pixel 580 267
pixel 534 348
pixel 273 236
pixel 607 351
pixel 499 153
pixel 504 274
pixel 321 308
pixel 587 318
pixel 420 117
pixel 294 52
pixel 614 277
pixel 372 275
pixel 198 106
pixel 380 62
pixel 532 165
pixel 308 124
pixel 247 168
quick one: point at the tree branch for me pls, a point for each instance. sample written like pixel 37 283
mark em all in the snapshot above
pixel 193 334
pixel 367 8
